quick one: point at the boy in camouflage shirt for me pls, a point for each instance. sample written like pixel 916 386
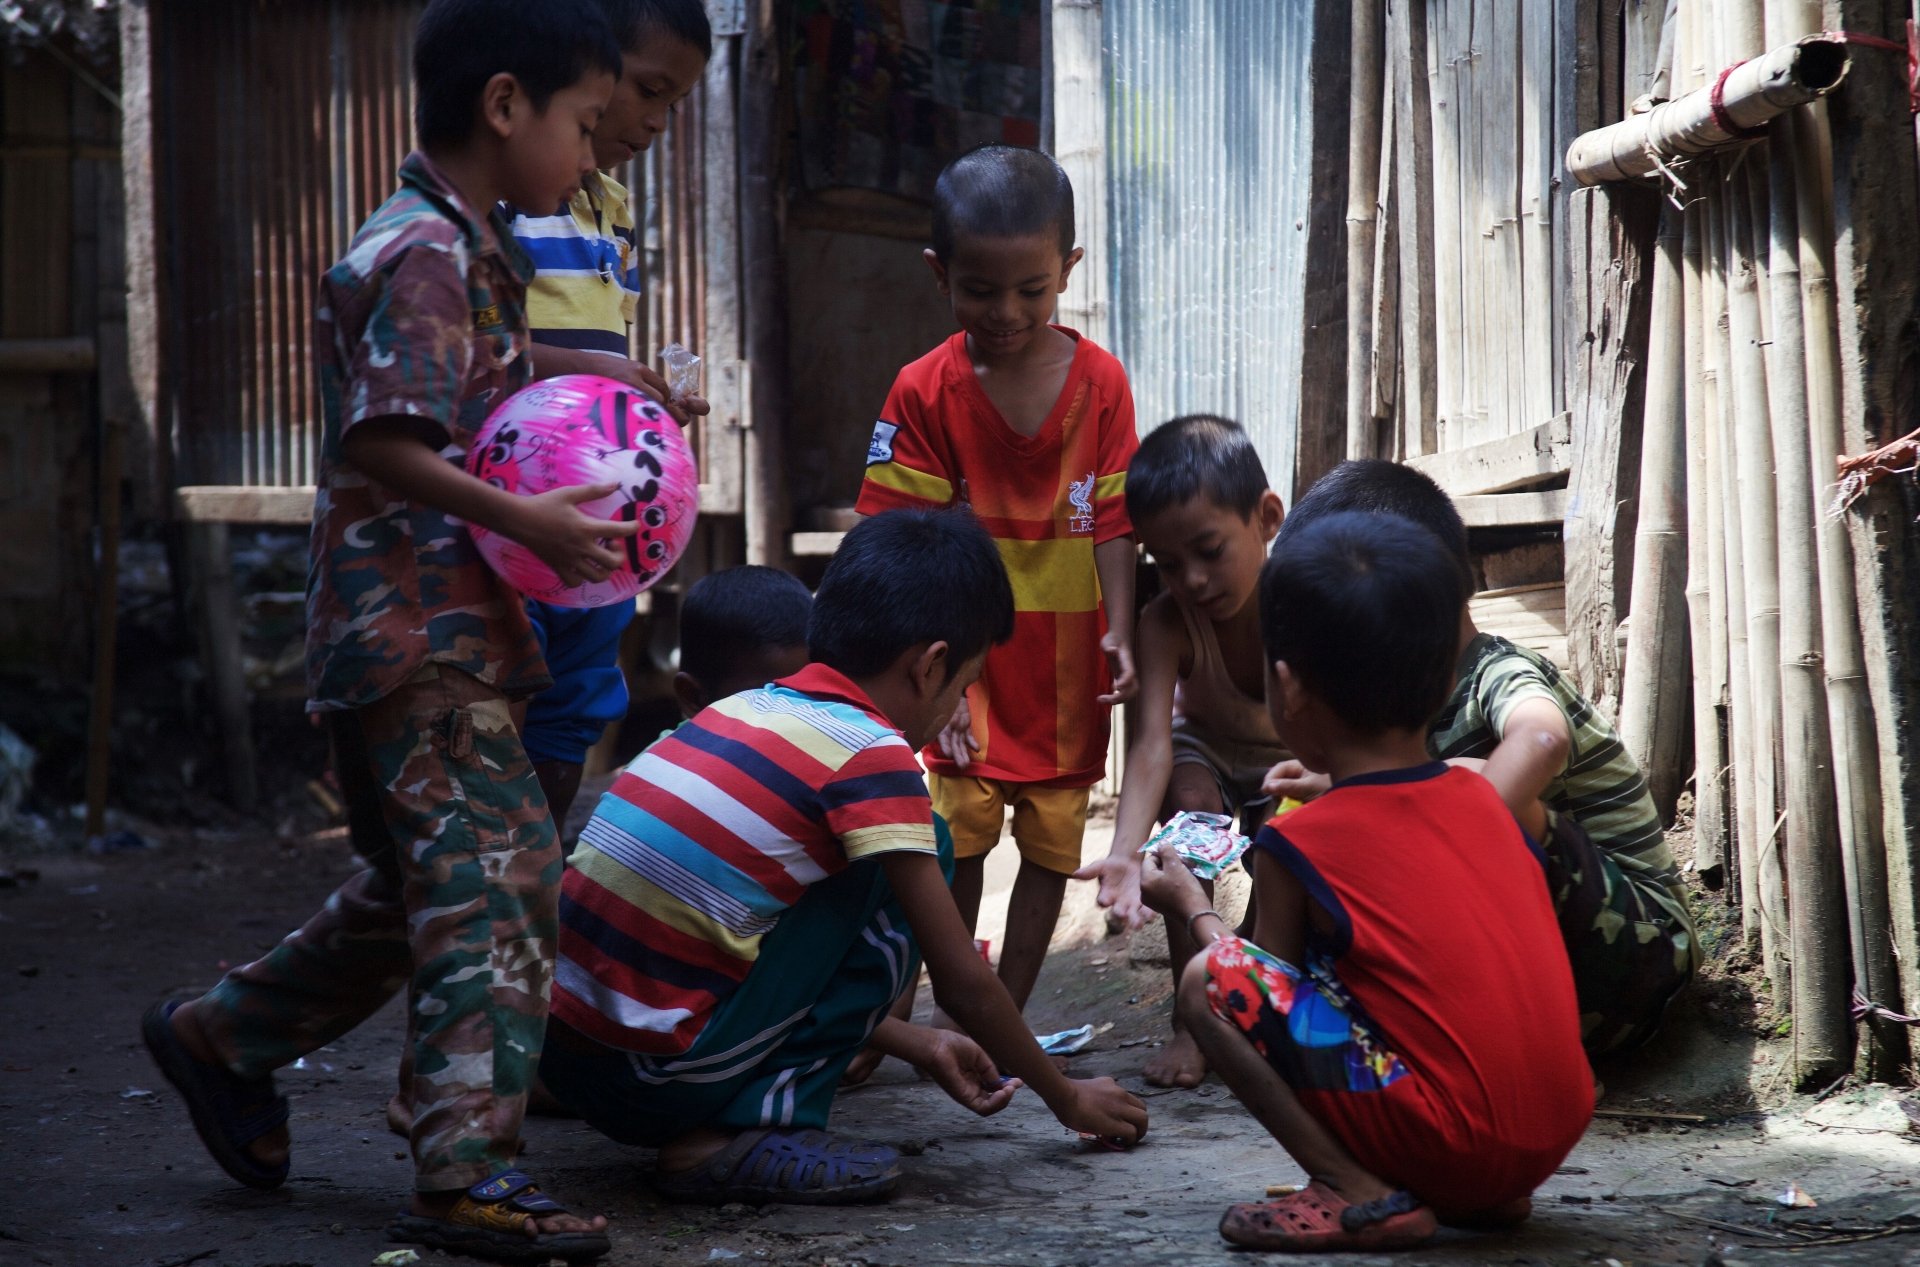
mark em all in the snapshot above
pixel 415 649
pixel 1623 912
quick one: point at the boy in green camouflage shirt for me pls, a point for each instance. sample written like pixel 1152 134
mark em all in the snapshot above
pixel 1622 910
pixel 415 649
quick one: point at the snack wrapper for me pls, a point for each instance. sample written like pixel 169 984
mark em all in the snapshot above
pixel 1207 843
pixel 683 371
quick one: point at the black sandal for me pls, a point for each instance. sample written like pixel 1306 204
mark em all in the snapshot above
pixel 228 1111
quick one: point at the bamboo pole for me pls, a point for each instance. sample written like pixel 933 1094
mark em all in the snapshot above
pixel 1704 600
pixel 1817 920
pixel 1856 755
pixel 1751 93
pixel 1752 449
pixel 1733 569
pixel 1653 695
pixel 1363 193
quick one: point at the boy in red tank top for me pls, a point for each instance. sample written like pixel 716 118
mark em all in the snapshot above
pixel 1403 1020
pixel 1031 425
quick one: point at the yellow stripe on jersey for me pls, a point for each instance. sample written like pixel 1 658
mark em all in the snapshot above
pixel 634 889
pixel 904 479
pixel 1052 576
pixel 1106 486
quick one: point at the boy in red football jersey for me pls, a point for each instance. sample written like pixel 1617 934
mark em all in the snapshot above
pixel 1032 425
pixel 1403 1020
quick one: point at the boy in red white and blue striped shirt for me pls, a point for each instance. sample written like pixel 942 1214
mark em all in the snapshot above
pixel 756 891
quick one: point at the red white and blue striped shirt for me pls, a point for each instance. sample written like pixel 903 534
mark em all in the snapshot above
pixel 709 836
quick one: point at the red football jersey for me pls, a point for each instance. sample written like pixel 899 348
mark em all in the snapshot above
pixel 1048 499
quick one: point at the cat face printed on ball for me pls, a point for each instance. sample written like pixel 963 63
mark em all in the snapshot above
pixel 583 429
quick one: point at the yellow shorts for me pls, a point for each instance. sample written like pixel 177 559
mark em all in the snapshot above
pixel 1048 822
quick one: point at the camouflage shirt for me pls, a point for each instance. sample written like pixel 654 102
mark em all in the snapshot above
pixel 425 316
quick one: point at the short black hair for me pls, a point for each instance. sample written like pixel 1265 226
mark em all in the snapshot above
pixel 1365 610
pixel 1381 487
pixel 685 20
pixel 730 615
pixel 1193 456
pixel 1002 191
pixel 460 44
pixel 908 577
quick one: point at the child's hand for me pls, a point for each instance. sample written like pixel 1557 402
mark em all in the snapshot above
pixel 573 545
pixel 1102 1107
pixel 966 1073
pixel 1119 653
pixel 1167 886
pixel 1290 778
pixel 956 737
pixel 1119 879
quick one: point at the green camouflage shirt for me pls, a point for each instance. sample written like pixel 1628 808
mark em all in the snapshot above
pixel 1602 787
pixel 425 316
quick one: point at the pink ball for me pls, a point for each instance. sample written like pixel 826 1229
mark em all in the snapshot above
pixel 584 429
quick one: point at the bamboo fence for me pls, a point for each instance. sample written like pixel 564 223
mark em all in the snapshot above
pixel 1744 436
pixel 1484 286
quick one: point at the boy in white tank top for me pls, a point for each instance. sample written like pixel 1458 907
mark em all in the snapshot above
pixel 1200 503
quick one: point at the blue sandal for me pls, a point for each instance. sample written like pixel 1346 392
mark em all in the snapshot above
pixel 228 1111
pixel 490 1221
pixel 789 1167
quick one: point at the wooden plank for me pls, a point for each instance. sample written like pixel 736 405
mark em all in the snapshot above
pixel 729 390
pixel 1322 440
pixel 1495 466
pixel 1368 57
pixel 1514 510
pixel 218 503
pixel 1538 165
pixel 143 308
pixel 815 545
pixel 1534 616
pixel 1414 190
pixel 1613 231
pixel 762 263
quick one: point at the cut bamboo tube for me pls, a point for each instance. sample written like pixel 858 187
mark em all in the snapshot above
pixel 1654 693
pixel 1363 194
pixel 1856 753
pixel 1751 93
pixel 1816 918
pixel 1753 468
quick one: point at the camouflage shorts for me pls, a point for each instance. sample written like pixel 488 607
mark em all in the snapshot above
pixel 457 904
pixel 1631 949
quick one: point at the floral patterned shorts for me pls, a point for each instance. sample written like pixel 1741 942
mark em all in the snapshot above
pixel 1303 1022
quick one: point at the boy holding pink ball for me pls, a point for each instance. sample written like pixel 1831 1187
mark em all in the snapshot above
pixel 415 649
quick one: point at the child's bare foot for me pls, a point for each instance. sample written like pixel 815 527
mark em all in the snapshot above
pixel 1179 1064
pixel 862 1066
pixel 400 1116
pixel 270 1150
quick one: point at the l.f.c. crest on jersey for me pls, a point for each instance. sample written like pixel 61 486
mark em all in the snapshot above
pixel 1080 493
pixel 880 448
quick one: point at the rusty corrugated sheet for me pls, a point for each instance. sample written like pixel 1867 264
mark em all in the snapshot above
pixel 284 127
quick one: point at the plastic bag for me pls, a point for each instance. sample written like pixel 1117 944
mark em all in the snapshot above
pixel 683 371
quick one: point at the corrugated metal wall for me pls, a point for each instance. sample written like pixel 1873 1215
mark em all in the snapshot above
pixel 1208 158
pixel 284 126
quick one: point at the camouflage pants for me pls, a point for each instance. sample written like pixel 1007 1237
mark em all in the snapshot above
pixel 1629 943
pixel 457 904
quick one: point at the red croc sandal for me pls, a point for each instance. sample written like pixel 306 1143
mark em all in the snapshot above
pixel 1317 1219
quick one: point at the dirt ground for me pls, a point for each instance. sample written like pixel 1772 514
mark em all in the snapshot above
pixel 107 1170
